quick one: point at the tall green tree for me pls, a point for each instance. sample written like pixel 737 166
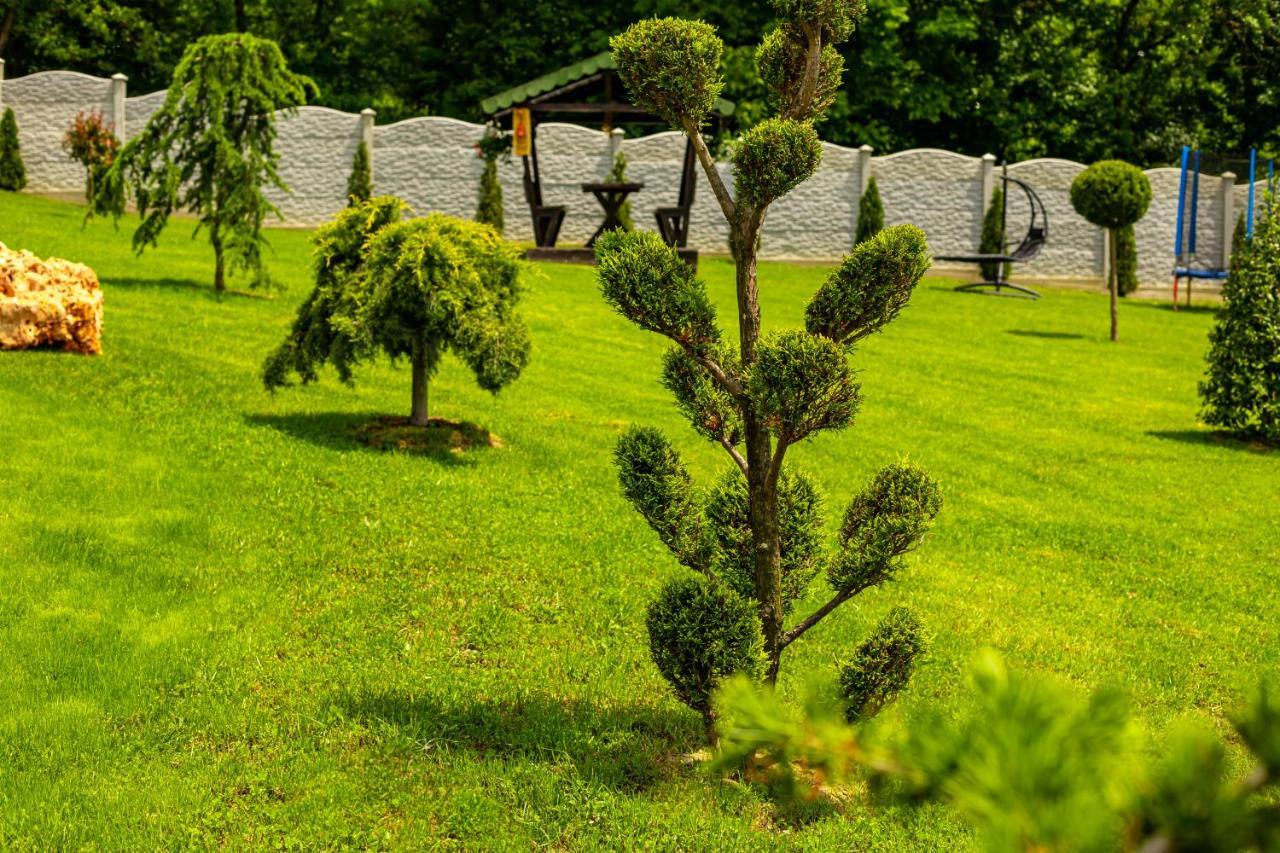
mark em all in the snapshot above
pixel 13 174
pixel 870 213
pixel 209 150
pixel 992 238
pixel 360 183
pixel 756 537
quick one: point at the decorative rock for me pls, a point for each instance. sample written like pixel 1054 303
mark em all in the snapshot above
pixel 51 303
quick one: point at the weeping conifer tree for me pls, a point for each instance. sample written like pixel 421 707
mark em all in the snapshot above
pixel 753 541
pixel 209 150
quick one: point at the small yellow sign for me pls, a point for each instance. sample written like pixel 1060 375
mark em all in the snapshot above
pixel 521 131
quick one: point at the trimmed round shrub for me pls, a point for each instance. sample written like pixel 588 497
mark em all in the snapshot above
pixel 886 520
pixel 671 67
pixel 882 665
pixel 1111 194
pixel 802 383
pixel 773 158
pixel 701 633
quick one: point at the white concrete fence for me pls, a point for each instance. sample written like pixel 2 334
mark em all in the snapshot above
pixel 431 163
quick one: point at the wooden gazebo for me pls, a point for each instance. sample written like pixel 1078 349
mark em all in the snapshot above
pixel 586 92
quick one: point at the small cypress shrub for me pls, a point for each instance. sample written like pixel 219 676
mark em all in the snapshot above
pixel 1239 237
pixel 618 174
pixel 491 147
pixel 992 240
pixel 360 184
pixel 13 175
pixel 1112 194
pixel 1242 389
pixel 1126 260
pixel 870 213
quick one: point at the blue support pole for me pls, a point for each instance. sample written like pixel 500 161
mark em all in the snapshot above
pixel 1182 197
pixel 1195 202
pixel 1253 170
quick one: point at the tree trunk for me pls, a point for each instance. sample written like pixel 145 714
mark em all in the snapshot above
pixel 418 417
pixel 6 28
pixel 219 263
pixel 761 499
pixel 1113 281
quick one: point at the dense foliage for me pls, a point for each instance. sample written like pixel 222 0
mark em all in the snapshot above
pixel 992 240
pixel 13 174
pixel 360 182
pixel 1086 80
pixel 209 150
pixel 92 143
pixel 1126 260
pixel 755 537
pixel 1113 195
pixel 410 288
pixel 1242 389
pixel 1032 766
pixel 870 213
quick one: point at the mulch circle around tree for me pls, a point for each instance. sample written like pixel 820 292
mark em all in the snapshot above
pixel 439 436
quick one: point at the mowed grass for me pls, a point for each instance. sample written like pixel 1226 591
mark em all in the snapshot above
pixel 226 623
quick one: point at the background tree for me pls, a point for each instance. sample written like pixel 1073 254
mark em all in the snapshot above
pixel 209 150
pixel 1241 391
pixel 870 213
pixel 618 174
pixel 492 147
pixel 360 183
pixel 992 240
pixel 13 174
pixel 410 288
pixel 758 532
pixel 1113 195
pixel 91 143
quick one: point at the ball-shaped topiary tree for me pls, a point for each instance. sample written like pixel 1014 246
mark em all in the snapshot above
pixel 755 537
pixel 209 150
pixel 1241 391
pixel 870 213
pixel 1113 195
pixel 410 288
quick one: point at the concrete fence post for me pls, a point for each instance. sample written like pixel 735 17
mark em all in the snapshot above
pixel 1228 216
pixel 119 85
pixel 987 180
pixel 366 135
pixel 864 169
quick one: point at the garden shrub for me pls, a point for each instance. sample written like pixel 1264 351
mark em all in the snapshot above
pixel 13 174
pixel 618 174
pixel 755 536
pixel 360 183
pixel 209 150
pixel 413 289
pixel 881 666
pixel 91 143
pixel 870 213
pixel 1112 194
pixel 992 239
pixel 1239 236
pixel 1241 391
pixel 492 148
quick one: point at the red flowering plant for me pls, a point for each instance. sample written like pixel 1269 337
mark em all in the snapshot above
pixel 91 141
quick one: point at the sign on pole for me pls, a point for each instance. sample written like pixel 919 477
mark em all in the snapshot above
pixel 521 131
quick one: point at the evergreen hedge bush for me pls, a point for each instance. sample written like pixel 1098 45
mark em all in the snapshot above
pixel 870 213
pixel 13 174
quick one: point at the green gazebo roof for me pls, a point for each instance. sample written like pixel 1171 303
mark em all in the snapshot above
pixel 563 77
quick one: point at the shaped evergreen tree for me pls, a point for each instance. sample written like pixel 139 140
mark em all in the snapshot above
pixel 1114 195
pixel 13 174
pixel 492 147
pixel 618 174
pixel 1242 389
pixel 209 150
pixel 992 240
pixel 870 213
pixel 410 288
pixel 755 538
pixel 360 184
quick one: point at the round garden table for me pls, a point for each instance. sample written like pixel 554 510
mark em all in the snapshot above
pixel 611 195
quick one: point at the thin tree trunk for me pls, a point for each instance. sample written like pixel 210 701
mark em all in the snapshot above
pixel 6 28
pixel 419 369
pixel 1113 282
pixel 219 263
pixel 761 498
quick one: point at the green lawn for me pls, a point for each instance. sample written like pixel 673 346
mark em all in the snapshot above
pixel 225 623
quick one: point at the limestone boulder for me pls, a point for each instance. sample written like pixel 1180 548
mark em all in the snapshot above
pixel 48 303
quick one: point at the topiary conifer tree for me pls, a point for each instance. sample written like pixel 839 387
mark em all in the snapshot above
pixel 992 240
pixel 13 174
pixel 1239 237
pixel 1112 194
pixel 870 213
pixel 618 174
pixel 360 184
pixel 756 536
pixel 493 146
pixel 410 288
pixel 1241 391
pixel 209 150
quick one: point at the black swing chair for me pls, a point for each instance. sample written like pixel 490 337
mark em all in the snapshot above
pixel 1037 235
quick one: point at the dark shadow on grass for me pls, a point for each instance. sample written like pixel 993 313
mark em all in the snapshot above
pixel 629 748
pixel 345 431
pixel 1036 333
pixel 1216 438
pixel 202 288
